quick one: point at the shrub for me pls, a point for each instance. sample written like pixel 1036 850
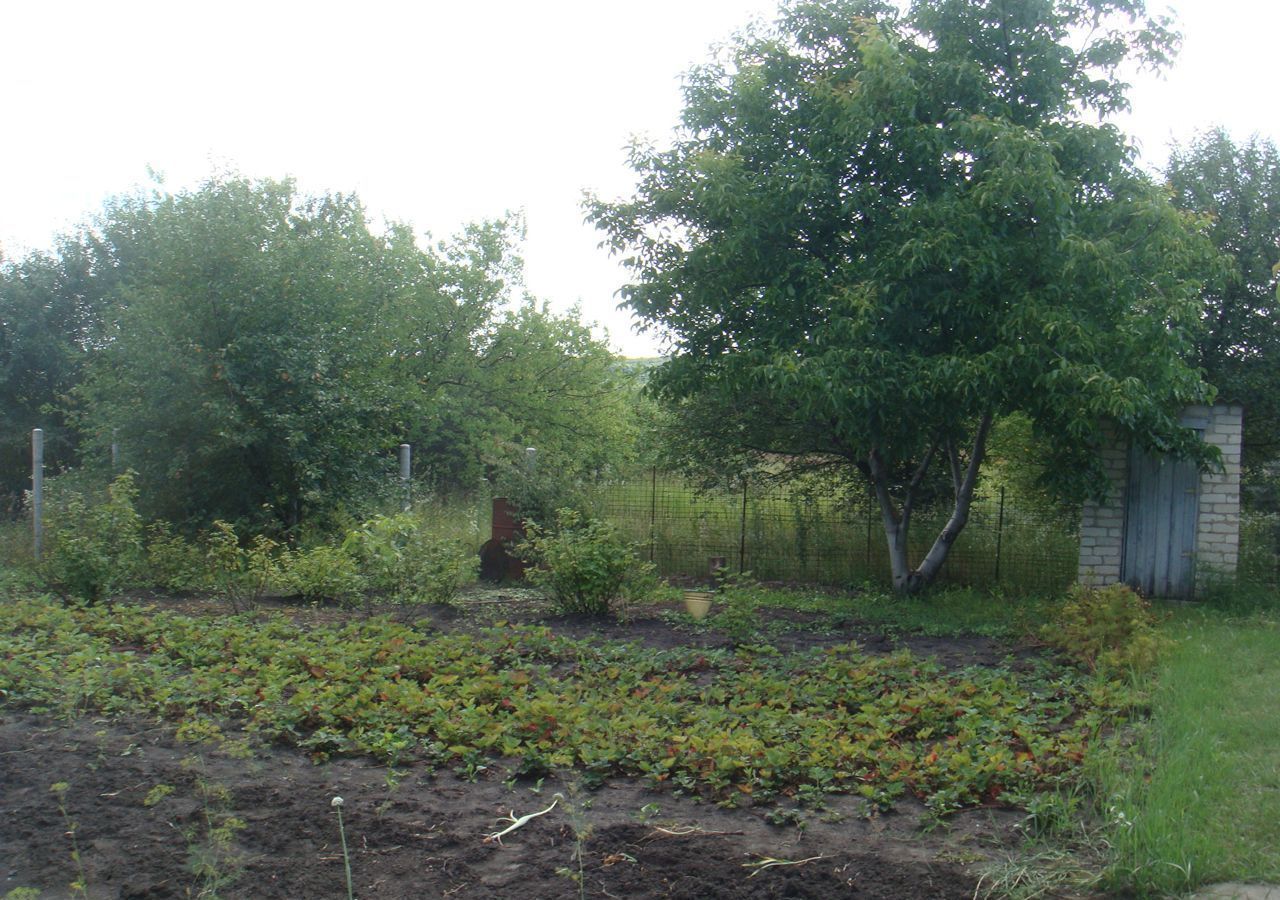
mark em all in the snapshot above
pixel 95 548
pixel 324 573
pixel 1106 628
pixel 173 562
pixel 440 568
pixel 411 567
pixel 241 575
pixel 584 565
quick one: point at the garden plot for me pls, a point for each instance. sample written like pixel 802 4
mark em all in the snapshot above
pixel 200 753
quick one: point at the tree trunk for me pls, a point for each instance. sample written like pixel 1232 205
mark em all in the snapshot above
pixel 897 521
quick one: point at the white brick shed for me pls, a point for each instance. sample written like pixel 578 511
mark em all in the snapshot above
pixel 1164 526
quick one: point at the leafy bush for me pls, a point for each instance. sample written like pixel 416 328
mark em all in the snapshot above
pixel 173 562
pixel 242 575
pixel 411 567
pixel 584 565
pixel 1106 628
pixel 440 569
pixel 324 573
pixel 95 547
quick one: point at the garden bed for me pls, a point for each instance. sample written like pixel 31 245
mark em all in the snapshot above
pixel 198 755
pixel 424 836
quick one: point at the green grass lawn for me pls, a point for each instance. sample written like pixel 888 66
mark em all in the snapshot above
pixel 1199 801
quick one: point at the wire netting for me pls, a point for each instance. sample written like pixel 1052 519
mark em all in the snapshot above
pixel 1260 548
pixel 803 533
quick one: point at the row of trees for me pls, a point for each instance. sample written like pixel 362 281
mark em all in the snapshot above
pixel 254 352
pixel 881 232
pixel 886 241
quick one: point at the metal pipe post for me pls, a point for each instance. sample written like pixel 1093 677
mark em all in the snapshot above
pixel 406 463
pixel 37 490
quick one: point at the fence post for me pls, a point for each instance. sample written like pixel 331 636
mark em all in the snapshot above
pixel 405 470
pixel 653 512
pixel 999 534
pixel 37 490
pixel 742 531
pixel 870 518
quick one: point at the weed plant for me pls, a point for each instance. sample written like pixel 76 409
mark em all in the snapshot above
pixel 584 565
pixel 942 612
pixel 79 887
pixel 95 543
pixel 213 857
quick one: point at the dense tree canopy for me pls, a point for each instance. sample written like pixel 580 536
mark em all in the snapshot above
pixel 258 354
pixel 878 232
pixel 47 324
pixel 1238 189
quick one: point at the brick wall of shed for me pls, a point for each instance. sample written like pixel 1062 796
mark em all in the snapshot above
pixel 1102 524
pixel 1218 524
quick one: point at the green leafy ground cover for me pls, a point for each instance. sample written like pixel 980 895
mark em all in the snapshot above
pixel 727 725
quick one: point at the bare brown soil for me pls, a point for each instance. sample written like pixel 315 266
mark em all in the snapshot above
pixel 412 833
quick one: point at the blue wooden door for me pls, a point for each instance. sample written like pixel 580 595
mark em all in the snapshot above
pixel 1160 525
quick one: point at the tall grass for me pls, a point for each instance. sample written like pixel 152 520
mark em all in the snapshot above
pixel 461 519
pixel 1199 800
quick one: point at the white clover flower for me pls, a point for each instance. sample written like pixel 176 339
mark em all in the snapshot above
pixel 336 801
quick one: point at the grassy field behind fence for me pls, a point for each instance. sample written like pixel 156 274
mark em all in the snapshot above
pixel 793 534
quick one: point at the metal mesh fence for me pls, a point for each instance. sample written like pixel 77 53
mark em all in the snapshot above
pixel 807 534
pixel 1260 548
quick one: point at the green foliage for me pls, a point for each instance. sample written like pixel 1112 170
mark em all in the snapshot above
pixel 736 604
pixel 540 380
pixel 876 233
pixel 323 573
pixel 173 562
pixel 584 565
pixel 539 491
pixel 1109 629
pixel 719 725
pixel 257 353
pixel 49 323
pixel 157 795
pixel 1237 189
pixel 242 575
pixel 398 557
pixel 96 543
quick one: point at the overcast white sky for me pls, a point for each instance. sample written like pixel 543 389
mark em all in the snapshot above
pixel 439 113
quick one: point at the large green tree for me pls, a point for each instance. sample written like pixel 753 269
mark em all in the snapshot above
pixel 244 367
pixel 50 321
pixel 258 354
pixel 1237 187
pixel 876 233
